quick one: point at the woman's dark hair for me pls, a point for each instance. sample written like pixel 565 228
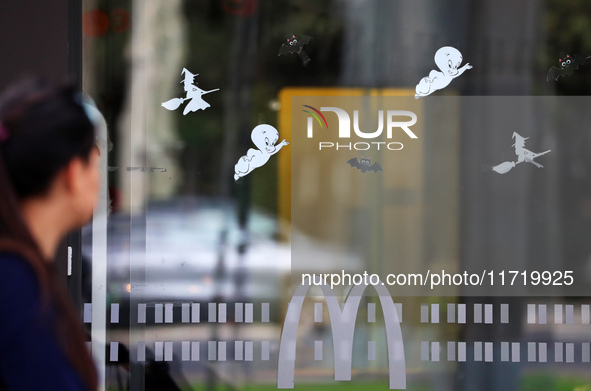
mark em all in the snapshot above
pixel 42 128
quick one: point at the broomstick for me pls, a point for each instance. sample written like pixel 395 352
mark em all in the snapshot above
pixel 505 167
pixel 174 103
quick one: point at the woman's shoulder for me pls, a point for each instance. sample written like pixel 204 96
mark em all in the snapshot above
pixel 11 257
pixel 16 272
pixel 27 337
pixel 19 289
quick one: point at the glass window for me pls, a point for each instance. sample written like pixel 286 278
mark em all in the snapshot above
pixel 433 151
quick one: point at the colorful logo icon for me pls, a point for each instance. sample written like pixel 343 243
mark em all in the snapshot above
pixel 316 116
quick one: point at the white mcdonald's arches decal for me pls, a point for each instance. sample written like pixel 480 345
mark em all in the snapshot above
pixel 342 324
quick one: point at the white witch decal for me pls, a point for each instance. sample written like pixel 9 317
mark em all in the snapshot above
pixel 193 93
pixel 523 155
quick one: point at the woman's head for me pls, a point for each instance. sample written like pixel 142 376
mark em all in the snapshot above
pixel 47 146
pixel 48 163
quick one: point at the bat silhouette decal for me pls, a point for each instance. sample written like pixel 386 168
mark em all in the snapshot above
pixel 364 165
pixel 523 155
pixel 296 46
pixel 567 65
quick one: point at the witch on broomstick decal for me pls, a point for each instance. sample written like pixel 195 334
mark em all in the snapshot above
pixel 523 155
pixel 193 94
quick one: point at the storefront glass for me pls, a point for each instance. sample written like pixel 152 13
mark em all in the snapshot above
pixel 436 149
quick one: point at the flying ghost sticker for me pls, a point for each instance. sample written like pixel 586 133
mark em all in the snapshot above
pixel 523 155
pixel 264 137
pixel 448 60
pixel 296 46
pixel 192 94
pixel 567 64
pixel 364 165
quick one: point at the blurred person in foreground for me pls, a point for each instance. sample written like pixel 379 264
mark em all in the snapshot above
pixel 49 183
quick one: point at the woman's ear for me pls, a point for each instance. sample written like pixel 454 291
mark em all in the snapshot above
pixel 70 174
pixel 79 171
pixel 81 183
